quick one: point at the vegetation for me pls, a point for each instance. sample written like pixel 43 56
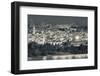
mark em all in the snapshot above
pixel 35 49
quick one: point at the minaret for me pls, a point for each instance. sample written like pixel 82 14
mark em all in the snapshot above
pixel 34 30
pixel 43 39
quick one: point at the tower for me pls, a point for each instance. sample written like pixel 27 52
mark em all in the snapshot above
pixel 34 30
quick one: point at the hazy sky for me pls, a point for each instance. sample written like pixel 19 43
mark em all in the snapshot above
pixel 38 19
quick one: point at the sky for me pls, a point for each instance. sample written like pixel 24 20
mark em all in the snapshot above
pixel 48 19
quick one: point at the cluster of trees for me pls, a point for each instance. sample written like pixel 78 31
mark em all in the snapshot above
pixel 80 28
pixel 35 49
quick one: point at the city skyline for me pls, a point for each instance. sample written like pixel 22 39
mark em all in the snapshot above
pixel 57 37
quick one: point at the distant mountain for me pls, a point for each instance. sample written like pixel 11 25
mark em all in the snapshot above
pixel 49 19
